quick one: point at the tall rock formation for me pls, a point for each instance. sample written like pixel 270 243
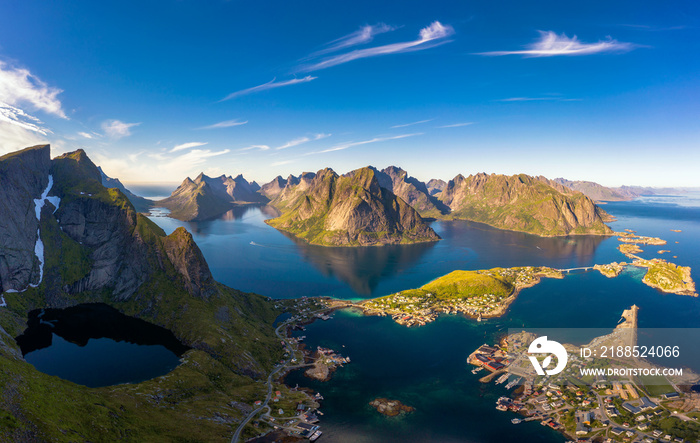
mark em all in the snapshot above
pixel 352 210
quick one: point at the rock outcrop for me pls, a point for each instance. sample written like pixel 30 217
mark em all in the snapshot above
pixel 534 205
pixel 206 198
pixel 352 210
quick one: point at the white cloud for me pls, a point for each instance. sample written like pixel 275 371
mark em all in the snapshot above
pixel 259 147
pixel 363 35
pixel 18 87
pixel 551 44
pixel 411 124
pixel 157 166
pixel 269 85
pixel 117 129
pixel 225 124
pixel 302 140
pixel 429 37
pixel 85 135
pixel 347 145
pixel 189 145
pixel 283 162
pixel 456 125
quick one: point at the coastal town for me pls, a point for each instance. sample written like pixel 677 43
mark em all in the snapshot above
pixel 591 409
pixel 477 294
pixel 584 409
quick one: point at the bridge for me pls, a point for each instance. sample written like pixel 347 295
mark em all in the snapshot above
pixel 584 268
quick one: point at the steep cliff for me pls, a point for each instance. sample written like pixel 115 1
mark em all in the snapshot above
pixel 97 248
pixel 24 175
pixel 523 203
pixel 205 197
pixel 140 204
pixel 352 210
pixel 410 190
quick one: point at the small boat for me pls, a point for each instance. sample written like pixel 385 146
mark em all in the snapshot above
pixel 502 378
pixel 315 436
pixel 516 421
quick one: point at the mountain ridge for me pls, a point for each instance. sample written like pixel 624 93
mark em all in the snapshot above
pixel 350 210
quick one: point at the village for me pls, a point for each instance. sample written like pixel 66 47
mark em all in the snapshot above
pixel 589 409
pixel 477 294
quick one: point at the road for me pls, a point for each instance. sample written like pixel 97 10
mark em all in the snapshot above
pixel 285 366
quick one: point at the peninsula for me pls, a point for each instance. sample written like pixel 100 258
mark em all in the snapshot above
pixel 479 294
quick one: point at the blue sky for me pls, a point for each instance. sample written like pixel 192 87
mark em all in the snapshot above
pixel 159 90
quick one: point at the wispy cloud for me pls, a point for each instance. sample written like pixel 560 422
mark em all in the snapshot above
pixel 20 87
pixel 363 35
pixel 269 85
pixel 655 28
pixel 283 162
pixel 301 141
pixel 347 145
pixel 253 147
pixel 117 129
pixel 552 44
pixel 85 135
pixel 537 99
pixel 17 117
pixel 225 124
pixel 411 124
pixel 189 145
pixel 429 37
pixel 456 125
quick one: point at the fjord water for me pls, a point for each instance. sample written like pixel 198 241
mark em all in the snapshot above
pixel 96 345
pixel 426 367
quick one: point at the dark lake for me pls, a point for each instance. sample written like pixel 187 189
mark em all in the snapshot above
pixel 96 345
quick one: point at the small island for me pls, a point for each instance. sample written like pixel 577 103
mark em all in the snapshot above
pixel 478 294
pixel 611 270
pixel 390 408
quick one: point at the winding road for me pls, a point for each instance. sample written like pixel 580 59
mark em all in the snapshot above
pixel 285 366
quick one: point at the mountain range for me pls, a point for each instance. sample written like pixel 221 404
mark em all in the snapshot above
pixel 313 211
pixel 205 197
